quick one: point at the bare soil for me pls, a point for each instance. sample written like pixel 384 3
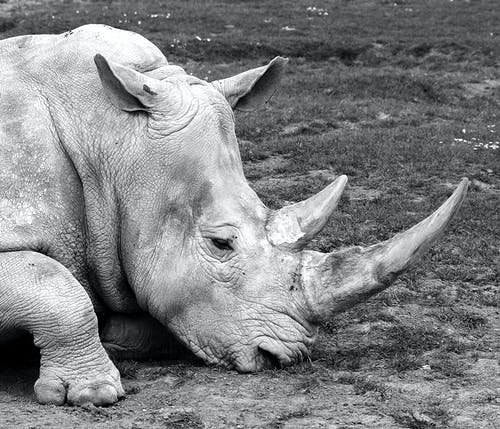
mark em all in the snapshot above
pixel 182 395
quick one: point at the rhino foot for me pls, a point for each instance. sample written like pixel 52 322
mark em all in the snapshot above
pixel 40 296
pixel 99 389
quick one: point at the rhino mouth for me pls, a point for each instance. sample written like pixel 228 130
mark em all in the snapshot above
pixel 268 355
pixel 262 359
pixel 268 360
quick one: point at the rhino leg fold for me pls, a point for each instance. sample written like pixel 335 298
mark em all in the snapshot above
pixel 139 336
pixel 39 295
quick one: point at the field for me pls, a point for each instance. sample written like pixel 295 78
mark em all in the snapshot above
pixel 403 96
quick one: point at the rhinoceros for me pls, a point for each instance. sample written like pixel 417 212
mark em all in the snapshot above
pixel 123 200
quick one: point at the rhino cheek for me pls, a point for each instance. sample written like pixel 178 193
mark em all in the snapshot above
pixel 156 236
pixel 198 327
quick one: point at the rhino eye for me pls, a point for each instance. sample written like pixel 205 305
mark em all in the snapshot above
pixel 222 244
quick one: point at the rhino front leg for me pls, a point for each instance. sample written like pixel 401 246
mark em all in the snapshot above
pixel 39 295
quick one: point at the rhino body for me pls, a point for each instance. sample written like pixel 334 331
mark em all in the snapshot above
pixel 122 196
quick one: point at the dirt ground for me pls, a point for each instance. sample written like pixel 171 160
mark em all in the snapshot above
pixel 406 106
pixel 310 395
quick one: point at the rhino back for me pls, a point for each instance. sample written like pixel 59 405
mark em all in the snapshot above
pixel 44 57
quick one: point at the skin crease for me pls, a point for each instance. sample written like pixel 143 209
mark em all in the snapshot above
pixel 155 188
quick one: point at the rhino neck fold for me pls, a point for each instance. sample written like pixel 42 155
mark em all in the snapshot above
pixel 96 157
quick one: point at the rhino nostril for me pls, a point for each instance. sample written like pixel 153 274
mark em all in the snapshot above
pixel 268 359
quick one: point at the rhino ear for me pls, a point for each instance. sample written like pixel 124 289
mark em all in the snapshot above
pixel 127 89
pixel 251 89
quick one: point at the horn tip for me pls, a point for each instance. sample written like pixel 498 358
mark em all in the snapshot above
pixel 462 188
pixel 340 182
pixel 281 60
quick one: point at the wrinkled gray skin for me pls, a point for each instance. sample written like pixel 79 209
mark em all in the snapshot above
pixel 122 194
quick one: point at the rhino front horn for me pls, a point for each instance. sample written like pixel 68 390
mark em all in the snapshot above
pixel 334 282
pixel 292 227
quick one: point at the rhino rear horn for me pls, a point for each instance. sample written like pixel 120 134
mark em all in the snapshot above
pixel 249 90
pixel 334 282
pixel 293 226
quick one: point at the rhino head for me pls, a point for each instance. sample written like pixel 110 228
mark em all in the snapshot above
pixel 202 253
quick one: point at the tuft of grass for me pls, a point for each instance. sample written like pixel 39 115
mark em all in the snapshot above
pixel 249 151
pixel 128 369
pixel 282 420
pixel 132 390
pixel 363 385
pixel 462 317
pixel 448 364
pixel 308 384
pixel 183 420
pixel 432 415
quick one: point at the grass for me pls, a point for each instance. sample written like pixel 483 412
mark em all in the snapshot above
pixel 401 95
pixel 225 32
pixel 396 346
